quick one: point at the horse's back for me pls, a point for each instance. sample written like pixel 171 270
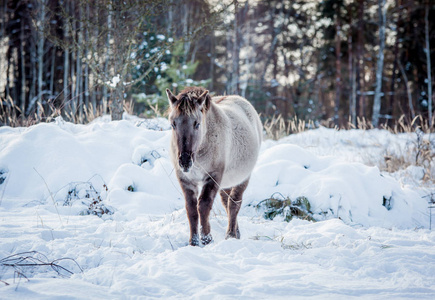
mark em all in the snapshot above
pixel 240 112
pixel 244 134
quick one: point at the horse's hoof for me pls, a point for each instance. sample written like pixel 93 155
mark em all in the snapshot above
pixel 232 235
pixel 206 239
pixel 194 241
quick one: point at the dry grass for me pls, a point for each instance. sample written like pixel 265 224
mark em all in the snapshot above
pixel 12 115
pixel 278 127
pixel 420 151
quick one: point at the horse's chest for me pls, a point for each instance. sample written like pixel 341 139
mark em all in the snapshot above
pixel 196 174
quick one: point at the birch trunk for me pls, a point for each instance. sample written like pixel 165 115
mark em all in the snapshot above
pixel 41 40
pixel 23 72
pixel 92 78
pixel 428 63
pixel 360 60
pixel 212 59
pixel 52 65
pixel 85 54
pixel 73 78
pixel 380 64
pixel 117 93
pixel 108 54
pixel 408 90
pixel 79 82
pixel 236 52
pixel 65 61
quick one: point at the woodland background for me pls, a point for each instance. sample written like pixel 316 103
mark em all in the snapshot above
pixel 332 62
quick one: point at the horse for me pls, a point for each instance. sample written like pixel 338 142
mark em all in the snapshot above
pixel 214 146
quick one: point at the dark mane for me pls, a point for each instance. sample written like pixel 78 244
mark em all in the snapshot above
pixel 186 100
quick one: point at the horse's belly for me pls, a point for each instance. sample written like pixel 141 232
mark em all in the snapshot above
pixel 239 172
pixel 232 179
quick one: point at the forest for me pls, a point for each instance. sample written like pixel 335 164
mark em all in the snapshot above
pixel 333 62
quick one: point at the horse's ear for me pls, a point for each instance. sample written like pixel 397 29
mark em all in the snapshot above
pixel 172 99
pixel 203 100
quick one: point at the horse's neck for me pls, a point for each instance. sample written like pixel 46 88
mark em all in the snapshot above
pixel 212 120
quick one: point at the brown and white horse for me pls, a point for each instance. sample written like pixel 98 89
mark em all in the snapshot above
pixel 215 145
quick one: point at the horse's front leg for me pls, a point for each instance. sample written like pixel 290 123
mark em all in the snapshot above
pixel 191 194
pixel 205 203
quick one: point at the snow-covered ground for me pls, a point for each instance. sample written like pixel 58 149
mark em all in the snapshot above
pixel 371 238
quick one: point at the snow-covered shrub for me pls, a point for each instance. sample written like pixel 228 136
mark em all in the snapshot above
pixel 87 198
pixel 2 176
pixel 286 208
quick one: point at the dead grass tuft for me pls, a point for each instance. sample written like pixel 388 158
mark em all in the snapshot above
pixel 278 127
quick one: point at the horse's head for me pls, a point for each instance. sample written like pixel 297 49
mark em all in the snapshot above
pixel 187 115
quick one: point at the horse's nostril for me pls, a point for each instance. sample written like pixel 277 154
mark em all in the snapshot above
pixel 185 160
pixel 185 157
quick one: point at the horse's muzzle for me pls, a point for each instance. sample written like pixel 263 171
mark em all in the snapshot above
pixel 185 160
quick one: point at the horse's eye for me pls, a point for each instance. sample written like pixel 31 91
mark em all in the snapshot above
pixel 173 125
pixel 196 125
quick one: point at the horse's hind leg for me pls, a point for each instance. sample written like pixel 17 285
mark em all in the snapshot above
pixel 234 204
pixel 225 193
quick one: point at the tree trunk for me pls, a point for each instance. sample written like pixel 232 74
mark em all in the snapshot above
pixel 117 94
pixel 65 60
pixel 391 100
pixel 117 105
pixel 85 54
pixel 52 68
pixel 79 79
pixel 73 77
pixel 337 67
pixel 408 90
pixel 380 64
pixel 23 72
pixel 92 78
pixel 352 83
pixel 33 74
pixel 3 44
pixel 108 54
pixel 428 63
pixel 274 41
pixel 212 59
pixel 360 72
pixel 236 51
pixel 41 40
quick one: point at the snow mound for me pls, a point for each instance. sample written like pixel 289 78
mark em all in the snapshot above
pixel 351 191
pixel 132 163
